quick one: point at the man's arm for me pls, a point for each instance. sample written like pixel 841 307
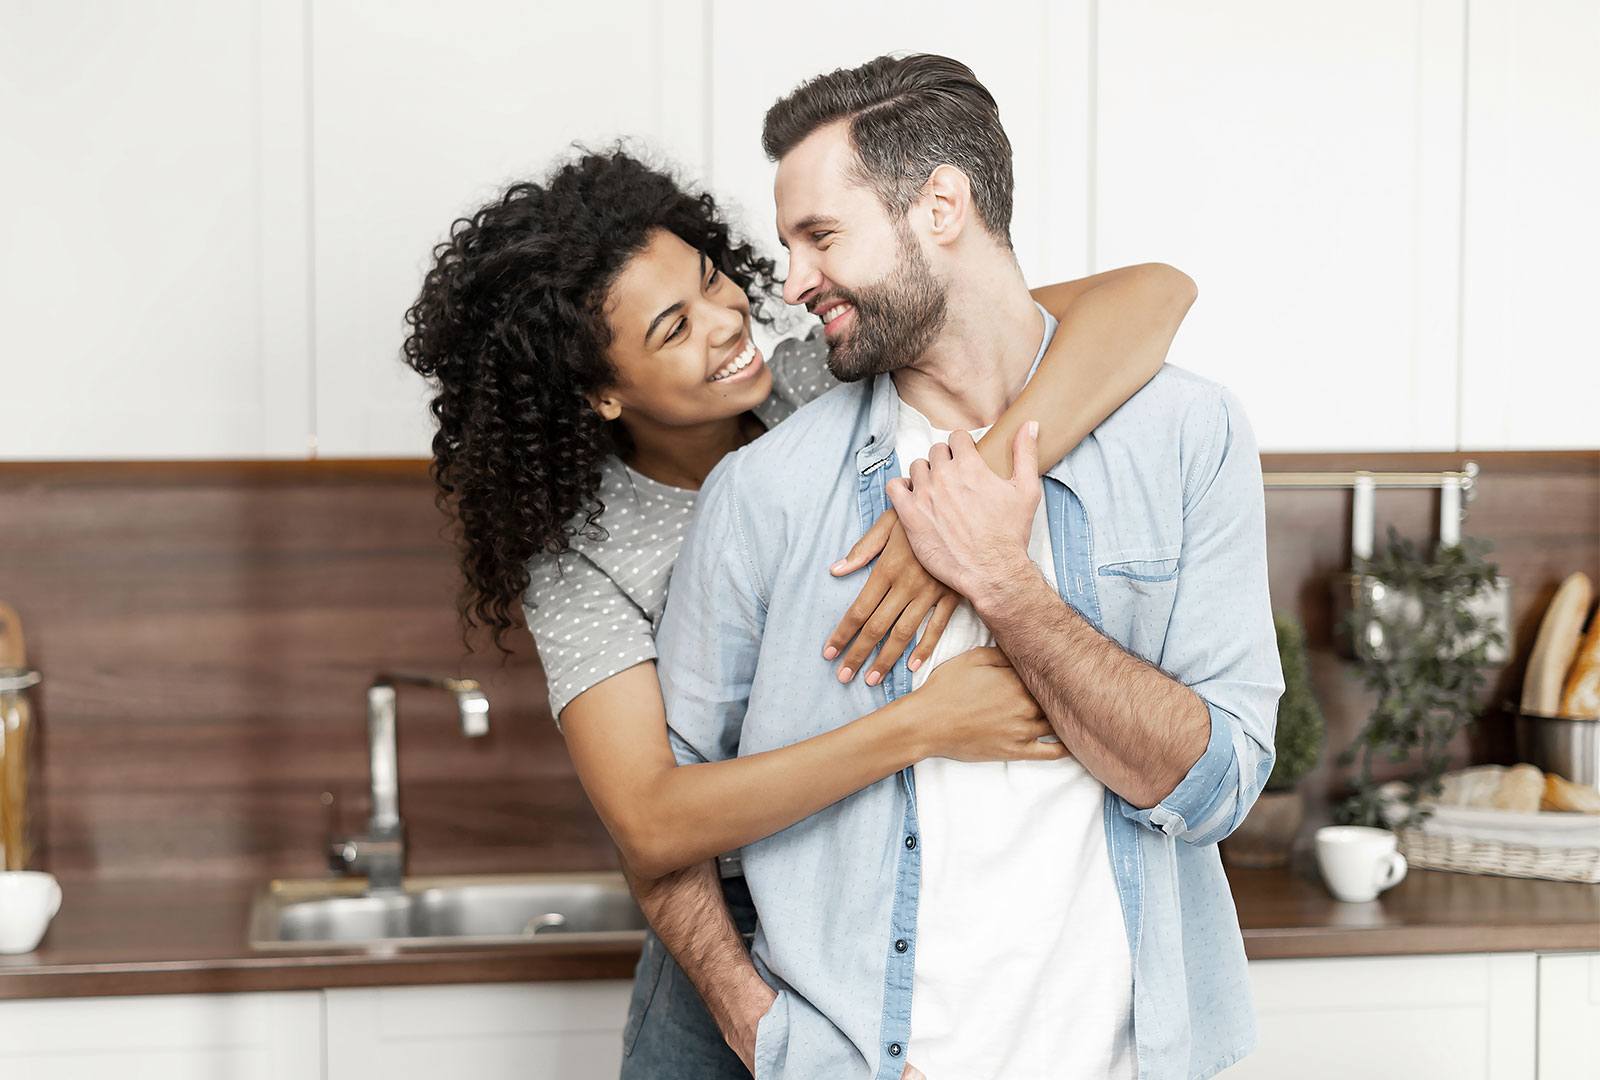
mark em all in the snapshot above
pixel 690 916
pixel 1188 747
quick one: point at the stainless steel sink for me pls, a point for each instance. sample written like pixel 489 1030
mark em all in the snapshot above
pixel 487 909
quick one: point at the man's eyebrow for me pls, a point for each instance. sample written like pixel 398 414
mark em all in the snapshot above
pixel 655 322
pixel 807 223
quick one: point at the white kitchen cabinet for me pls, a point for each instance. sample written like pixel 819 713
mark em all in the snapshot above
pixel 513 1031
pixel 1303 163
pixel 1530 366
pixel 264 1036
pixel 1460 1016
pixel 423 112
pixel 1569 1016
pixel 155 281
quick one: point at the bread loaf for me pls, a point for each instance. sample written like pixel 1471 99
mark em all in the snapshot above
pixel 1581 698
pixel 1560 794
pixel 1520 790
pixel 1560 633
pixel 1470 787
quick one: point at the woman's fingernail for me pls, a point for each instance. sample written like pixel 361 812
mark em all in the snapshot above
pixel 829 653
pixel 873 679
pixel 845 673
pixel 837 568
pixel 916 662
pixel 1033 429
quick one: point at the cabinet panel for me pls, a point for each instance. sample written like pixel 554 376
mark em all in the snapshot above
pixel 153 215
pixel 1457 1016
pixel 1302 162
pixel 425 111
pixel 518 1031
pixel 1569 1016
pixel 269 1036
pixel 1530 355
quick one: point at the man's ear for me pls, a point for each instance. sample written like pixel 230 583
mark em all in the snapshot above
pixel 948 195
pixel 605 405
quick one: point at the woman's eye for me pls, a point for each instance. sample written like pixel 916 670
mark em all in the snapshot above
pixel 678 329
pixel 716 275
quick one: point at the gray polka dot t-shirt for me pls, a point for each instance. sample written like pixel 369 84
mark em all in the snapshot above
pixel 594 609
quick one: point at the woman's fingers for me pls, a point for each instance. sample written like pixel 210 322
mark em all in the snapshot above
pixel 873 630
pixel 929 641
pixel 866 549
pixel 855 616
pixel 905 628
pixel 1035 750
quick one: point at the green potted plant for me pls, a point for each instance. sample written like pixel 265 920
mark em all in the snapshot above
pixel 1266 836
pixel 1427 657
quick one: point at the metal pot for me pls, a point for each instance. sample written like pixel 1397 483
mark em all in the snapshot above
pixel 1564 745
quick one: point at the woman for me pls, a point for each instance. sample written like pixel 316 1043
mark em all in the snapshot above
pixel 589 341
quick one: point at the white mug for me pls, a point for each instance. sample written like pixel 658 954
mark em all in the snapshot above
pixel 29 899
pixel 1358 863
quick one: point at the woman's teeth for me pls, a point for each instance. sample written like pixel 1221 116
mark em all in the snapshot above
pixel 737 364
pixel 834 312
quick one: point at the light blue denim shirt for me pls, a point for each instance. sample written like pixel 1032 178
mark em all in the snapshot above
pixel 1157 527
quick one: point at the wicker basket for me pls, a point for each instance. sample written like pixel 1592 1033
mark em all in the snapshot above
pixel 1476 856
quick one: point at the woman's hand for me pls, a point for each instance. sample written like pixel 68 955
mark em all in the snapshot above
pixel 897 596
pixel 977 709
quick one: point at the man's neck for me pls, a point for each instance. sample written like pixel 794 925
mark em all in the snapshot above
pixel 981 360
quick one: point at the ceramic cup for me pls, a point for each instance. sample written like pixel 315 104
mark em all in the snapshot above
pixel 29 899
pixel 1358 863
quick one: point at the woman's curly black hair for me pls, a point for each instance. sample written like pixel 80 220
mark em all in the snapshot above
pixel 509 329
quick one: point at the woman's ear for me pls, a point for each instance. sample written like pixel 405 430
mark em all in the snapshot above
pixel 605 405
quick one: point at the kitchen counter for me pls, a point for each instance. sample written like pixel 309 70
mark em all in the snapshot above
pixel 160 937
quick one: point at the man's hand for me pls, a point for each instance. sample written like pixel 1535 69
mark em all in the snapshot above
pixel 968 527
pixel 738 1011
pixel 912 1073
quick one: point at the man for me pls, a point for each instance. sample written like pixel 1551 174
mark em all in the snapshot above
pixel 1053 919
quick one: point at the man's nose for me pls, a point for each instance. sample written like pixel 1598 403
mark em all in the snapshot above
pixel 802 281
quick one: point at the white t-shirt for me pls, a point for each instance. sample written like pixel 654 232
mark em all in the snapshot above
pixel 1022 961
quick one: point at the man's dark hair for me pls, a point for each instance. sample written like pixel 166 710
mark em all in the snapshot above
pixel 908 115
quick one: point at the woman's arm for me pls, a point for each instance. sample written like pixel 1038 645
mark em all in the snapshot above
pixel 664 816
pixel 1115 330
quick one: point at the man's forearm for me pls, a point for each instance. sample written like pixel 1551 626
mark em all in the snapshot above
pixel 1134 728
pixel 690 916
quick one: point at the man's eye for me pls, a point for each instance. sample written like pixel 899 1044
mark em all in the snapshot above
pixel 818 237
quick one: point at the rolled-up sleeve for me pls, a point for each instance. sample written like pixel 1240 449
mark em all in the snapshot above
pixel 710 634
pixel 1220 641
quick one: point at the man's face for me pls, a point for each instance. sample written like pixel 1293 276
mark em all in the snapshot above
pixel 863 272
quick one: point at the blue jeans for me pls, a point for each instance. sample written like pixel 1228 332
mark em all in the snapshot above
pixel 669 1034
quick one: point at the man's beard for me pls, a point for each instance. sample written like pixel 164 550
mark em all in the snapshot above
pixel 896 319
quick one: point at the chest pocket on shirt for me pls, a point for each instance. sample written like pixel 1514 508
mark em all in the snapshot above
pixel 1137 590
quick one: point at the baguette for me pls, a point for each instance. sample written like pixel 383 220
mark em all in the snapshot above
pixel 1560 633
pixel 1581 698
pixel 1560 794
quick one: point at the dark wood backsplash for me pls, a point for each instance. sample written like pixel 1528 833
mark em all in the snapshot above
pixel 206 632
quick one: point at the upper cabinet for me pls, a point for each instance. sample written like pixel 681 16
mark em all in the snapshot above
pixel 1303 163
pixel 215 215
pixel 1530 361
pixel 426 111
pixel 154 285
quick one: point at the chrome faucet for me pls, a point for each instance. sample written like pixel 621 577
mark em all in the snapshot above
pixel 381 852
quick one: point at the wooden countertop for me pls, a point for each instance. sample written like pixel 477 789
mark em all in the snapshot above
pixel 158 937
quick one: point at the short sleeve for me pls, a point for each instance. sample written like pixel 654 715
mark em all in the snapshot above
pixel 800 369
pixel 586 627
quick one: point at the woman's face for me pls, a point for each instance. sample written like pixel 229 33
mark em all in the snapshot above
pixel 680 340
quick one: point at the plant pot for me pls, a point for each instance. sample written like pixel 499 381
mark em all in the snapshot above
pixel 1264 838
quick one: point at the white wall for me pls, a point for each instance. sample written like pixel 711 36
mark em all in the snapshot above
pixel 215 214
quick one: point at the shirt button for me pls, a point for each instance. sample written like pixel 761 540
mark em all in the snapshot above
pixel 894 1049
pixel 900 946
pixel 911 843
